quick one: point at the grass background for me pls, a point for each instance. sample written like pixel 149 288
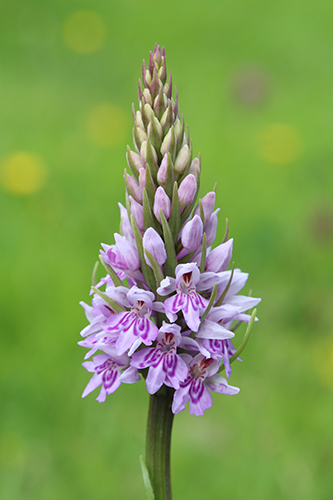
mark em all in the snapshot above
pixel 242 68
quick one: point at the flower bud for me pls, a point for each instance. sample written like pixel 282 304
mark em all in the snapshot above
pixel 143 152
pixel 186 191
pixel 154 244
pixel 219 258
pixel 179 130
pixel 183 160
pixel 157 55
pixel 148 77
pixel 162 74
pixel 126 227
pixel 155 132
pixel 134 161
pixel 139 136
pixel 147 97
pixel 195 168
pixel 210 228
pixel 139 121
pixel 192 234
pixel 169 143
pixel 137 212
pixel 155 85
pixel 159 104
pixel 147 114
pixel 134 187
pixel 162 174
pixel 167 118
pixel 161 202
pixel 142 178
pixel 151 64
pixel 208 203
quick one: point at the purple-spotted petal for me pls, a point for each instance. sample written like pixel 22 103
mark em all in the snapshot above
pixel 200 398
pixel 181 397
pixel 145 357
pixel 179 373
pixel 155 378
pixel 191 312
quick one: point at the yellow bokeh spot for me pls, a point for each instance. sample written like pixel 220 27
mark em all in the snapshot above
pixel 323 361
pixel 280 143
pixel 107 124
pixel 84 32
pixel 22 173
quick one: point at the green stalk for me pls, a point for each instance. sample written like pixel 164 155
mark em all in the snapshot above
pixel 158 442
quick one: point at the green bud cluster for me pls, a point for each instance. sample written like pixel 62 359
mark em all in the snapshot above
pixel 159 130
pixel 162 158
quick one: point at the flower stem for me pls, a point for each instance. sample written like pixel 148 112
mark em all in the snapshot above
pixel 158 443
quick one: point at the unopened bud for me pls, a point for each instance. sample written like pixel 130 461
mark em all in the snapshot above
pixel 151 64
pixel 219 258
pixel 195 168
pixel 162 173
pixel 134 161
pixel 133 187
pixel 137 212
pixel 162 74
pixel 210 228
pixel 161 202
pixel 167 119
pixel 147 97
pixel 192 234
pixel 155 85
pixel 157 55
pixel 169 143
pixel 138 120
pixel 143 152
pixel 153 243
pixel 142 178
pixel 127 230
pixel 179 130
pixel 147 114
pixel 155 132
pixel 159 104
pixel 208 203
pixel 139 136
pixel 183 160
pixel 148 77
pixel 186 191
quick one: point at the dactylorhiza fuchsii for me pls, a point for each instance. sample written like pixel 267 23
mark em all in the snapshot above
pixel 167 310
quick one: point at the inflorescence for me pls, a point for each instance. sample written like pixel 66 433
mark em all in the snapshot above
pixel 170 307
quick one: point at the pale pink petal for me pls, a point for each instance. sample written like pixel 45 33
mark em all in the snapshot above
pixel 180 399
pixel 155 378
pixel 202 403
pixel 219 384
pixel 130 376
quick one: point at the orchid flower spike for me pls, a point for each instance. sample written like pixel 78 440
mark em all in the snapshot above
pixel 168 308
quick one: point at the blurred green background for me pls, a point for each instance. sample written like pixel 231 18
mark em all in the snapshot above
pixel 255 81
